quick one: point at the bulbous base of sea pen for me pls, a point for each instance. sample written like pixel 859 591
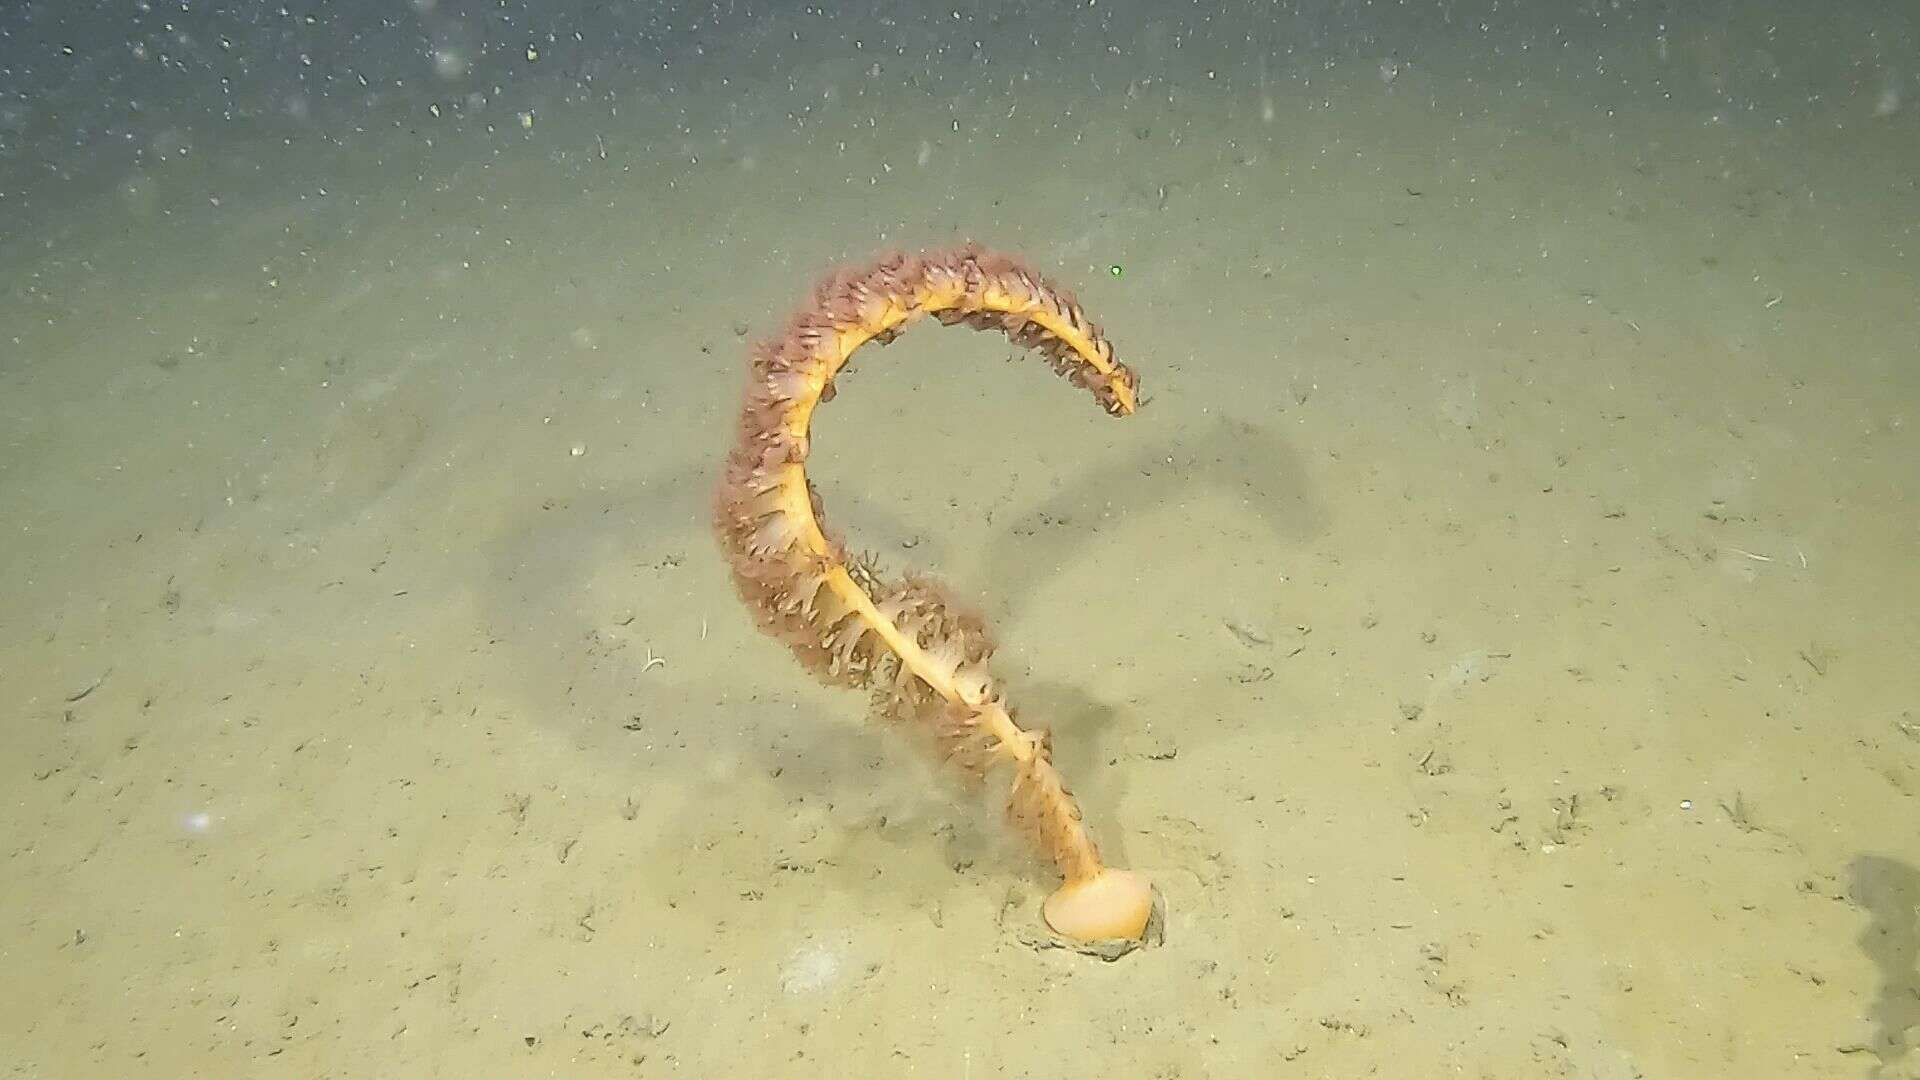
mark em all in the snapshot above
pixel 1111 905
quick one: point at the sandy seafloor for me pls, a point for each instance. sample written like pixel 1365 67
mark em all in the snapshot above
pixel 1496 637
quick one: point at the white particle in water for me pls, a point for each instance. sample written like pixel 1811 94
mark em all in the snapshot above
pixel 811 968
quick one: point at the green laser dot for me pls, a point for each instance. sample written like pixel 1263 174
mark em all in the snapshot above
pixel 1116 270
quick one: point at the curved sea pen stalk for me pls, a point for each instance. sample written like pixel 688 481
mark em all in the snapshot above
pixel 923 658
